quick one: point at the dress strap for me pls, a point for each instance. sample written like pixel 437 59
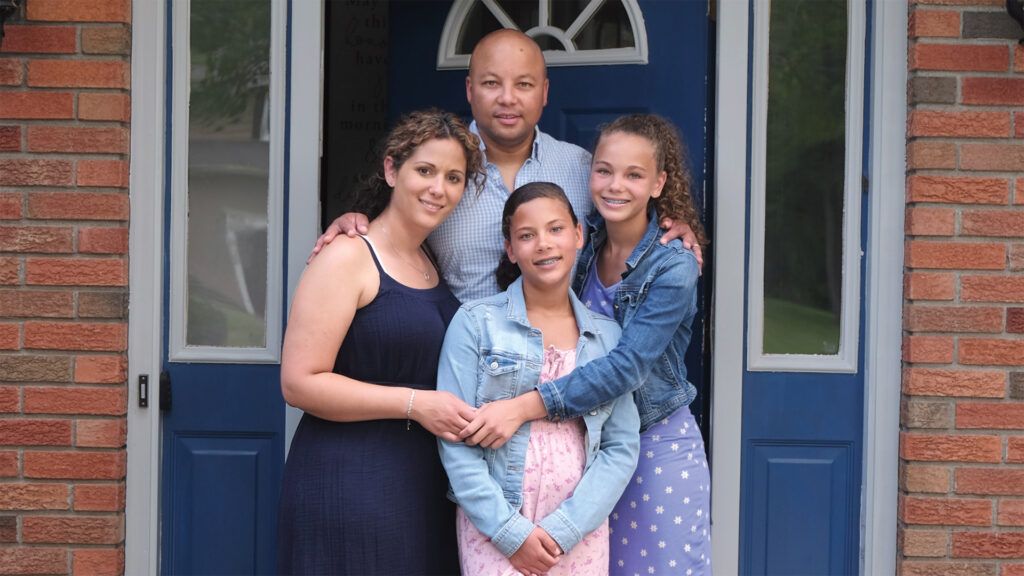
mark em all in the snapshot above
pixel 373 252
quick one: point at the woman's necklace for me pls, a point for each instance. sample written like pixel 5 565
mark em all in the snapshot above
pixel 425 273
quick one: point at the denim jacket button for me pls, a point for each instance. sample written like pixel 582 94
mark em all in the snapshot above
pixel 494 365
pixel 593 412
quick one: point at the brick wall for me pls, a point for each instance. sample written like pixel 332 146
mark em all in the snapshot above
pixel 64 106
pixel 962 446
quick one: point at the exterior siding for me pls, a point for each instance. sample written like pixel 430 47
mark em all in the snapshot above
pixel 64 112
pixel 962 426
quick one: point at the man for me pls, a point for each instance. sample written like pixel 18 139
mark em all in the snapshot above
pixel 507 89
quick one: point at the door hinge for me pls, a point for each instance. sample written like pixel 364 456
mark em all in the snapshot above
pixel 143 390
pixel 165 391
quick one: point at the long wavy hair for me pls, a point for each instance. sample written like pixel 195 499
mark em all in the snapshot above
pixel 670 155
pixel 508 271
pixel 409 133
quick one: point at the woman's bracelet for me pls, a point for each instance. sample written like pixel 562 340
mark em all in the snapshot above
pixel 408 411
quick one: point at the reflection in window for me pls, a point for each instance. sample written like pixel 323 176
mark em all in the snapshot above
pixel 805 174
pixel 228 173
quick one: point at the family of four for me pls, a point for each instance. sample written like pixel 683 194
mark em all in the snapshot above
pixel 552 406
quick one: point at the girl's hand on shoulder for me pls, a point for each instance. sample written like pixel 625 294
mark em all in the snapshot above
pixel 679 229
pixel 496 422
pixel 442 413
pixel 538 554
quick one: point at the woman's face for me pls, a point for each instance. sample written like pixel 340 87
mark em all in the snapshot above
pixel 624 177
pixel 429 183
pixel 543 241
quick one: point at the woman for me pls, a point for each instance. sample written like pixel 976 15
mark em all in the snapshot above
pixel 364 490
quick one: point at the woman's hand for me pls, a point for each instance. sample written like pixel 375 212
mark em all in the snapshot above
pixel 442 413
pixel 496 422
pixel 675 230
pixel 537 554
pixel 349 224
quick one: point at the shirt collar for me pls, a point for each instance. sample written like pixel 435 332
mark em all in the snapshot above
pixel 598 235
pixel 537 136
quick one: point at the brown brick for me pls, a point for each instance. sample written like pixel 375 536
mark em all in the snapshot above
pixel 76 11
pixel 9 336
pixel 932 90
pixel 77 139
pixel 945 568
pixel 990 415
pixel 39 39
pixel 991 351
pixel 929 286
pixel 1017 385
pixel 990 25
pixel 75 336
pixel 988 545
pixel 925 479
pixel 10 400
pixel 33 496
pixel 953 319
pixel 1015 320
pixel 23 560
pixel 78 205
pixel 947 511
pixel 78 74
pixel 35 303
pixel 992 223
pixel 50 239
pixel 950 447
pixel 11 72
pixel 992 288
pixel 10 205
pixel 106 40
pixel 105 433
pixel 104 106
pixel 992 481
pixel 930 221
pixel 1015 450
pixel 20 172
pixel 923 154
pixel 103 240
pixel 76 271
pixel 959 190
pixel 1011 513
pixel 77 400
pixel 99 497
pixel 37 105
pixel 103 173
pixel 102 304
pixel 10 271
pixel 72 529
pixel 8 464
pixel 101 369
pixel 925 543
pixel 31 432
pixel 978 58
pixel 927 414
pixel 81 465
pixel 10 138
pixel 98 562
pixel 31 368
pixel 959 124
pixel 8 530
pixel 928 349
pixel 995 157
pixel 993 91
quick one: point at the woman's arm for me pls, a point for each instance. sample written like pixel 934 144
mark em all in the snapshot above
pixel 479 495
pixel 321 315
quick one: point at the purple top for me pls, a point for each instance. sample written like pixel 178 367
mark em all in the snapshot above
pixel 596 296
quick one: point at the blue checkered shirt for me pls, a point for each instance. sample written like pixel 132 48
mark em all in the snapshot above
pixel 468 244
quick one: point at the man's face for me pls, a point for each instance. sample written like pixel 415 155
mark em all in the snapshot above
pixel 507 89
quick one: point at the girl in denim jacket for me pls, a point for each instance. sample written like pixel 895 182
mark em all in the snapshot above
pixel 661 525
pixel 539 504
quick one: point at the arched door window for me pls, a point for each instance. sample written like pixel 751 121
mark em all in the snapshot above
pixel 571 32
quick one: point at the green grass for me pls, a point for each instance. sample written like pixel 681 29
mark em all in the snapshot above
pixel 794 329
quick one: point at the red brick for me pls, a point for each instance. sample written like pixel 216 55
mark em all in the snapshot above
pixel 78 73
pixel 953 319
pixel 929 221
pixel 980 58
pixel 10 400
pixel 99 497
pixel 37 105
pixel 972 3
pixel 1015 320
pixel 989 415
pixel 8 468
pixel 103 173
pixel 77 400
pixel 10 206
pixel 992 481
pixel 104 106
pixel 10 271
pixel 22 560
pixel 35 239
pixel 77 139
pixel 77 11
pixel 32 368
pixel 929 285
pixel 1015 449
pixel 1018 126
pixel 106 40
pixel 11 72
pixel 988 545
pixel 959 190
pixel 105 433
pixel 935 23
pixel 995 157
pixel 992 223
pixel 923 154
pixel 79 465
pixel 33 496
pixel 74 336
pixel 925 479
pixel 925 543
pixel 19 172
pixel 98 562
pixel 950 448
pixel 992 288
pixel 78 206
pixel 928 349
pixel 100 369
pixel 955 255
pixel 32 432
pixel 10 138
pixel 72 529
pixel 103 240
pixel 9 336
pixel 959 124
pixel 1012 570
pixel 993 91
pixel 76 271
pixel 947 511
pixel 39 39
pixel 35 303
pixel 991 351
pixel 1011 513
pixel 1018 58
pixel 945 568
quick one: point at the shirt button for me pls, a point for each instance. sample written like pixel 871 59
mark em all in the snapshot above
pixel 593 412
pixel 494 365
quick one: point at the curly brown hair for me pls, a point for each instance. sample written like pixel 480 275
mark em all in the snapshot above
pixel 409 133
pixel 670 155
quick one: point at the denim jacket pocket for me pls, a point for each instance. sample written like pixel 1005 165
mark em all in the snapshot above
pixel 500 373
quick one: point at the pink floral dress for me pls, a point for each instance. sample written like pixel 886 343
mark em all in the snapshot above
pixel 555 459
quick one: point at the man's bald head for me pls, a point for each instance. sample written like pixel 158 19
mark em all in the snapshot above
pixel 510 39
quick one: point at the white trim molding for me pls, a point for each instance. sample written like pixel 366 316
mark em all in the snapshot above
pixel 845 361
pixel 179 349
pixel 449 58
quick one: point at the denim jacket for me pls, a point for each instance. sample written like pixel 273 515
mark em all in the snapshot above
pixel 491 353
pixel 655 304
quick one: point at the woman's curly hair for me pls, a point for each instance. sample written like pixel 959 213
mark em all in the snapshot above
pixel 409 133
pixel 670 155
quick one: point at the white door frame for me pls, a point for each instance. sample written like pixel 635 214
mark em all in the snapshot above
pixel 883 290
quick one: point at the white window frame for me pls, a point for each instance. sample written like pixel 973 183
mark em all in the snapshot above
pixel 179 349
pixel 845 361
pixel 449 59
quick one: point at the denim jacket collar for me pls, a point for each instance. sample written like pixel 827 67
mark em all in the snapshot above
pixel 516 309
pixel 599 234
